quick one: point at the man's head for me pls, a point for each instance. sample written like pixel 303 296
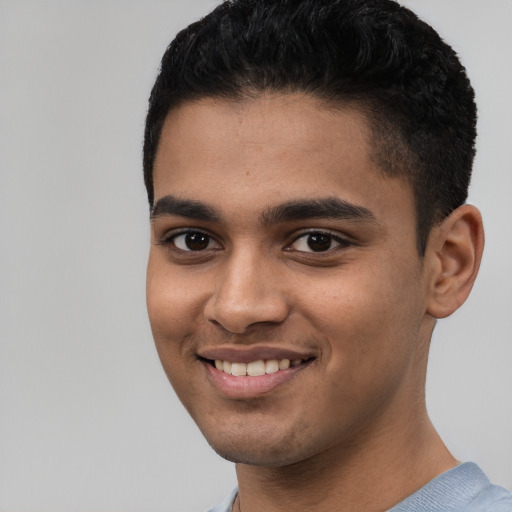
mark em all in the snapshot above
pixel 297 155
pixel 372 55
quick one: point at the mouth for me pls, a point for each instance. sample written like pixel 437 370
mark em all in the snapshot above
pixel 256 368
pixel 252 372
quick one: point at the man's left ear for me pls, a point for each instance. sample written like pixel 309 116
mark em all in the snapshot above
pixel 453 257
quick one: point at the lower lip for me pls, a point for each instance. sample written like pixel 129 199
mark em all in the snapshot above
pixel 249 387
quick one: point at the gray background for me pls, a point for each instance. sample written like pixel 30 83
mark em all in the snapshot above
pixel 88 421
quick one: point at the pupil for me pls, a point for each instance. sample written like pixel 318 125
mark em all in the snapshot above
pixel 197 241
pixel 319 242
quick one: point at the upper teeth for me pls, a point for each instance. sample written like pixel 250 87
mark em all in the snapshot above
pixel 255 368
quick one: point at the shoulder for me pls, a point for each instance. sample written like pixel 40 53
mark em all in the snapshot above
pixel 464 488
pixel 226 505
pixel 492 498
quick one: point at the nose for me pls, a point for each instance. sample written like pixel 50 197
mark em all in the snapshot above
pixel 248 291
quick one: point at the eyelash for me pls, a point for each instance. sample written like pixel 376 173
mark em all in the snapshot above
pixel 170 240
pixel 341 243
pixel 333 239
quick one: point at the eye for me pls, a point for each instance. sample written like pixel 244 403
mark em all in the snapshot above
pixel 193 241
pixel 317 241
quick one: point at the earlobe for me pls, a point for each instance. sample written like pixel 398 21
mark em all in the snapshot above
pixel 454 253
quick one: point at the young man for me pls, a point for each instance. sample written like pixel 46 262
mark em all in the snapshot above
pixel 307 164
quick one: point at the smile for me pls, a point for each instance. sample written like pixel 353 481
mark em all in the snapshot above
pixel 255 368
pixel 247 373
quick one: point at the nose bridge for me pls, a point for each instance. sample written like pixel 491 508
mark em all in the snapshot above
pixel 248 292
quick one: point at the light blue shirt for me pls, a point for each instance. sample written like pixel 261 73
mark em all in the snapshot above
pixel 465 488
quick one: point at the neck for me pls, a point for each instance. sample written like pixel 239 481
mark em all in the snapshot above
pixel 371 473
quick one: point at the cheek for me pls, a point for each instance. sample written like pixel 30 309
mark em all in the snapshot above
pixel 369 342
pixel 370 317
pixel 173 301
pixel 169 311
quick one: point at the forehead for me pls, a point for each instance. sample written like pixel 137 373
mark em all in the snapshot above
pixel 282 126
pixel 269 150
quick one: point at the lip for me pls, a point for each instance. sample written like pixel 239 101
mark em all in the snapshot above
pixel 246 387
pixel 241 354
pixel 239 388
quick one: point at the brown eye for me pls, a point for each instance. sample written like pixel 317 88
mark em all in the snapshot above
pixel 194 241
pixel 317 241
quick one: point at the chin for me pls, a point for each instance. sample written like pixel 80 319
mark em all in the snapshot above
pixel 255 455
pixel 263 448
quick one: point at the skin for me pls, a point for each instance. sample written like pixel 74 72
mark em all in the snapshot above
pixel 349 430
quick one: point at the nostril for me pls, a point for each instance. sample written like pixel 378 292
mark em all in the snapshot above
pixel 239 318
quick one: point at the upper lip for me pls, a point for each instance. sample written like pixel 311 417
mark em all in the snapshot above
pixel 245 354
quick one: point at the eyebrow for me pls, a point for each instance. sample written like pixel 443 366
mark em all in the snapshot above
pixel 170 205
pixel 323 208
pixel 300 209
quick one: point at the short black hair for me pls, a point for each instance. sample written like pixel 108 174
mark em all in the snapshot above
pixel 375 55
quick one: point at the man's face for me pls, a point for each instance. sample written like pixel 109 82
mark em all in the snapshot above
pixel 276 241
